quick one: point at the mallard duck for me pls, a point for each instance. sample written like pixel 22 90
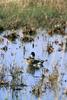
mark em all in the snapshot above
pixel 34 62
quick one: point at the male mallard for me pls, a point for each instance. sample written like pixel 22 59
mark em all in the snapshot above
pixel 35 63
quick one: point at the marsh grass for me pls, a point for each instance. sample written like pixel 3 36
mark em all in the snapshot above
pixel 37 13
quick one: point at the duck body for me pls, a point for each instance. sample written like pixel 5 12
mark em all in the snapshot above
pixel 35 63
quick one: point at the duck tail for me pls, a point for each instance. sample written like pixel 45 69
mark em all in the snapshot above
pixel 42 61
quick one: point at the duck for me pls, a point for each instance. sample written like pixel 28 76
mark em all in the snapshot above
pixel 34 62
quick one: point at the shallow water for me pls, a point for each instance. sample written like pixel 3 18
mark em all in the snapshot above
pixel 17 52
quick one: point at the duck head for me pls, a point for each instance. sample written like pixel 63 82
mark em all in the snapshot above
pixel 33 54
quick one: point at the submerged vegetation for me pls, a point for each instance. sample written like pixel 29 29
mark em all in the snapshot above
pixel 35 14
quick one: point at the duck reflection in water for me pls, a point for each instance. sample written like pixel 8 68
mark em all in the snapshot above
pixel 31 70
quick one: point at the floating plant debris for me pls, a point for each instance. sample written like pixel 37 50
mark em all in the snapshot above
pixel 53 78
pixel 50 49
pixel 4 83
pixel 65 91
pixel 50 32
pixel 27 38
pixel 1 39
pixel 16 74
pixel 42 85
pixel 2 72
pixel 11 36
pixel 4 48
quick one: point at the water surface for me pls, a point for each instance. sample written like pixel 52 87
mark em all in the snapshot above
pixel 16 54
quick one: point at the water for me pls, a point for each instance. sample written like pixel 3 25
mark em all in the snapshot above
pixel 16 54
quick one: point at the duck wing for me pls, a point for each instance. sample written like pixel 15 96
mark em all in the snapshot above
pixel 37 61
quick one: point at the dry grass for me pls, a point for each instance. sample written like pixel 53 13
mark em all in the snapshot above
pixel 59 4
pixel 16 13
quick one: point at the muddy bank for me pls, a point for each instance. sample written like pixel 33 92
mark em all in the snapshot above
pixel 27 32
